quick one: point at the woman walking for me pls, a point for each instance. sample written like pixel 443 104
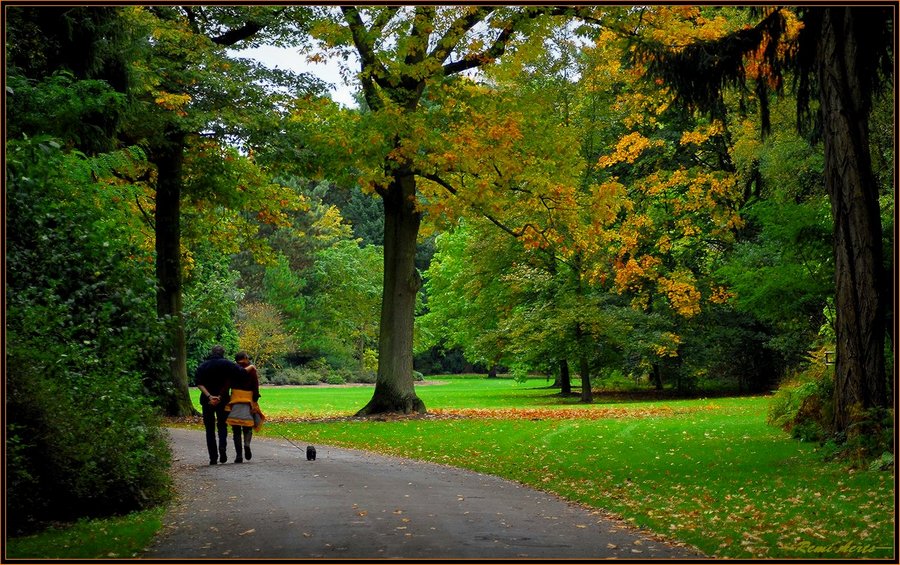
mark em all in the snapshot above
pixel 243 410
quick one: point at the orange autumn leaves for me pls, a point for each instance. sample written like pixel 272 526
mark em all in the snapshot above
pixel 634 228
pixel 625 234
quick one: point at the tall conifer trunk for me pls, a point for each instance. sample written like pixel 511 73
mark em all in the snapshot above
pixel 394 388
pixel 860 372
pixel 169 161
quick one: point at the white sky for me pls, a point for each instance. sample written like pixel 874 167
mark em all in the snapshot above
pixel 290 59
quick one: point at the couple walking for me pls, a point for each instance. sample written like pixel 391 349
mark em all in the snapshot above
pixel 229 396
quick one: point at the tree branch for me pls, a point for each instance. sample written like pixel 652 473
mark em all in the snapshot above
pixel 384 17
pixel 423 25
pixel 514 233
pixel 368 59
pixel 232 36
pixel 192 19
pixel 474 60
pixel 457 30
pixel 498 47
pixel 235 35
pixel 452 190
pixel 147 217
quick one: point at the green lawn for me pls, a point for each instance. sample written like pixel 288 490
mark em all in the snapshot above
pixel 113 538
pixel 450 392
pixel 709 472
pixel 341 401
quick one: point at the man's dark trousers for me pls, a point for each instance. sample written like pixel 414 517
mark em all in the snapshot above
pixel 214 421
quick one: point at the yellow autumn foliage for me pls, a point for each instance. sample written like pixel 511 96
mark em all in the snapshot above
pixel 261 333
pixel 628 149
pixel 682 294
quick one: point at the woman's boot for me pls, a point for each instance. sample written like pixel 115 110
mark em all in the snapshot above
pixel 237 445
pixel 248 435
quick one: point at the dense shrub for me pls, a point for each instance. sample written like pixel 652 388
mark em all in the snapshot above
pixel 868 440
pixel 335 379
pixel 293 376
pixel 802 406
pixel 365 377
pixel 318 372
pixel 83 344
pixel 439 360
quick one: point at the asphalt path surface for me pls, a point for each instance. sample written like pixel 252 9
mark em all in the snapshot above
pixel 351 504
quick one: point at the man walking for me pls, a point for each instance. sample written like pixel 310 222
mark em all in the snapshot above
pixel 212 378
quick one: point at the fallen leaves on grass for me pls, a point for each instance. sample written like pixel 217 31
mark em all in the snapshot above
pixel 534 414
pixel 599 413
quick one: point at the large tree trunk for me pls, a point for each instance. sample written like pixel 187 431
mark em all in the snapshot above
pixel 587 394
pixel 859 368
pixel 169 162
pixel 565 378
pixel 657 376
pixel 584 366
pixel 394 389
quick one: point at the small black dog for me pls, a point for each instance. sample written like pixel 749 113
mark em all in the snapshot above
pixel 310 453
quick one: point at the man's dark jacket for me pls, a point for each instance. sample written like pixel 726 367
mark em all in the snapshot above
pixel 215 373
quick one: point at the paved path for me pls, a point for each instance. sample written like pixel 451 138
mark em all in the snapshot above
pixel 350 504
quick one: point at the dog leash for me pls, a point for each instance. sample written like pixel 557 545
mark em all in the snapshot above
pixel 300 449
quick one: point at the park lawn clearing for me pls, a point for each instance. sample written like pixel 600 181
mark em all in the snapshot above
pixel 708 472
